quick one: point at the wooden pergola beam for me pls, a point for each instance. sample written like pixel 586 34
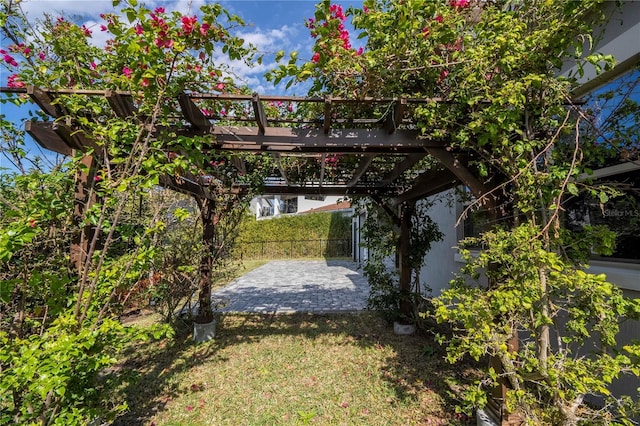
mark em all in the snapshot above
pixel 448 160
pixel 46 137
pixel 327 190
pixel 192 113
pixel 327 115
pixel 428 183
pixel 395 118
pixel 363 165
pixel 45 101
pixel 260 116
pixel 315 140
pixel 408 162
pixel 122 104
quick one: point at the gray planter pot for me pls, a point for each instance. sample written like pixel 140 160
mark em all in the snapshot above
pixel 204 332
pixel 483 419
pixel 403 329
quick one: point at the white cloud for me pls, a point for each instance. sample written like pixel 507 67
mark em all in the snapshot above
pixel 36 8
pixel 267 39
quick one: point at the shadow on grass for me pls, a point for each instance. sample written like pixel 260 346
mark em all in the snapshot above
pixel 151 371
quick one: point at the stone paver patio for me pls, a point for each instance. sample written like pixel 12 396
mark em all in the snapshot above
pixel 297 286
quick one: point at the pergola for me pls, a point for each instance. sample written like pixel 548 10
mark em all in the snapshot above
pixel 381 141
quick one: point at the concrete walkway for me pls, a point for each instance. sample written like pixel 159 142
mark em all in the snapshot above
pixel 297 286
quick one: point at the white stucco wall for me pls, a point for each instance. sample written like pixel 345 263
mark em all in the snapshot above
pixel 440 264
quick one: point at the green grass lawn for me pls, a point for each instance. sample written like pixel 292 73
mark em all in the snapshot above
pixel 290 370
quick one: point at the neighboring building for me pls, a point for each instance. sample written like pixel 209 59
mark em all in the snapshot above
pixel 269 206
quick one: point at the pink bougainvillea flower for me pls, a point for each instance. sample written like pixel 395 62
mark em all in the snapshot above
pixel 159 10
pixel 439 19
pixel 220 86
pixel 138 29
pixel 360 51
pixel 426 32
pixel 145 82
pixel 315 58
pixel 93 65
pixel 126 71
pixel 103 27
pixel 9 59
pixel 443 75
pixel 14 81
pixel 290 107
pixel 204 29
pixel 97 178
pixel 188 23
pixel 41 56
pixel 460 4
pixel 365 9
pixel 86 31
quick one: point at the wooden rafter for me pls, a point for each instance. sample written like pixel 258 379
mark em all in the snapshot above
pixel 323 165
pixel 408 162
pixel 363 165
pixel 260 116
pixel 453 164
pixel 45 101
pixel 47 138
pixel 313 140
pixel 365 137
pixel 192 113
pixel 428 183
pixel 122 104
pixel 394 119
pixel 327 115
pixel 327 190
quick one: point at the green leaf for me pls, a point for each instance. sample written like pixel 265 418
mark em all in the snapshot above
pixel 131 15
pixel 603 197
pixel 572 188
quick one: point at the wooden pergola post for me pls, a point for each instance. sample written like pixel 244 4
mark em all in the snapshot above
pixel 207 208
pixel 84 198
pixel 407 210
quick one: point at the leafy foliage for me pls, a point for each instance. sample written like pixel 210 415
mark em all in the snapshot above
pixel 381 237
pixel 490 71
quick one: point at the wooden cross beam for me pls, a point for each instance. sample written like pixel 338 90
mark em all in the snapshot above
pixel 408 162
pixel 258 110
pixel 327 115
pixel 395 118
pixel 364 164
pixel 428 183
pixel 192 113
pixel 122 104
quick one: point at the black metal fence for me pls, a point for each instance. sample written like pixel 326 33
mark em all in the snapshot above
pixel 295 249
